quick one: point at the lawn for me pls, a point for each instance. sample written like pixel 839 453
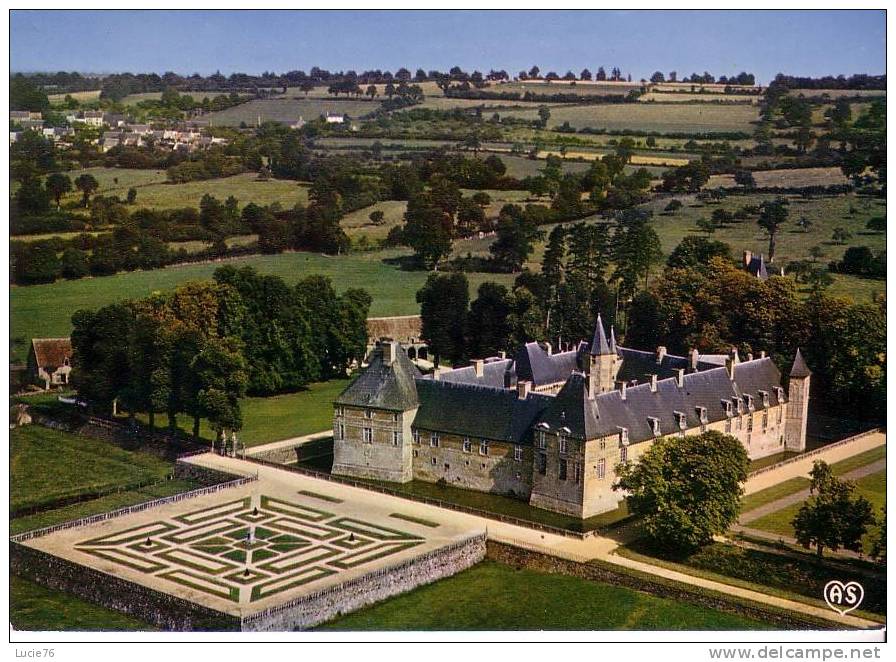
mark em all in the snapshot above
pixel 37 608
pixel 357 224
pixel 49 465
pixel 290 110
pixel 280 416
pixel 663 118
pixel 494 596
pixel 44 311
pixel 795 578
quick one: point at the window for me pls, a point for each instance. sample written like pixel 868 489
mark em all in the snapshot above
pixel 539 439
pixel 467 445
pixel 779 394
pixel 764 395
pixel 562 475
pixel 396 437
pixel 416 453
pixel 603 444
pixel 601 469
pixel 654 426
pixel 623 454
pixel 416 435
pixel 577 472
pixel 765 420
pixel 518 453
pixel 780 414
pixel 432 461
pixel 340 431
pixel 483 447
pixel 434 439
pixel 340 411
pixel 750 405
pixel 740 406
pixel 727 426
pixel 729 407
pixel 542 463
pixel 368 435
pixel 750 423
pixel 561 439
pixel 704 418
pixel 623 437
pixel 395 417
pixel 368 413
pixel 740 423
pixel 681 419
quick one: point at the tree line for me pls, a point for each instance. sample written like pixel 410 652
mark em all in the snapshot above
pixel 199 349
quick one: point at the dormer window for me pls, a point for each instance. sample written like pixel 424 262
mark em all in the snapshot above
pixel 654 425
pixel 368 413
pixel 416 435
pixel 779 394
pixel 703 414
pixel 729 408
pixel 623 436
pixel 561 442
pixel 750 405
pixel 764 395
pixel 740 405
pixel 434 440
pixel 681 419
pixel 540 440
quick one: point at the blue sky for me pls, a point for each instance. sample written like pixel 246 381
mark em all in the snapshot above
pixel 763 42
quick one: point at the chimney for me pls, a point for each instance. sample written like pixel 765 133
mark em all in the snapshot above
pixel 748 257
pixel 479 367
pixel 522 389
pixel 653 383
pixel 680 378
pixel 730 362
pixel 390 351
pixel 622 387
pixel 660 353
pixel 693 358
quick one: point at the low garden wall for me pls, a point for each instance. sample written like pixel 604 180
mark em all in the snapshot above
pixel 617 575
pixel 316 608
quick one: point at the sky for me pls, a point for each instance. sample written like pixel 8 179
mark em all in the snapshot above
pixel 803 42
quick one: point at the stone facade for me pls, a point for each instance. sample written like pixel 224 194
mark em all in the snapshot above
pixel 483 428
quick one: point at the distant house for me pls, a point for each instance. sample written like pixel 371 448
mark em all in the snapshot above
pixel 140 129
pixel 298 124
pixel 334 118
pixel 23 115
pixel 756 266
pixel 49 361
pixel 92 118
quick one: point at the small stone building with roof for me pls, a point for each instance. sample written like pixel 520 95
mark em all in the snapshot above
pixel 551 427
pixel 49 361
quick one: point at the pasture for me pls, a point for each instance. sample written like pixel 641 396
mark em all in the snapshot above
pixel 134 99
pixel 42 311
pixel 662 118
pixel 495 596
pixel 289 110
pixel 357 224
pixel 581 88
pixel 84 96
pixel 791 177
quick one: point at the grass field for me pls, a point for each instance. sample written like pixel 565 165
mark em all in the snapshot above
pixel 280 416
pixel 581 88
pixel 795 177
pixel 289 110
pixel 134 99
pixel 664 118
pixel 357 224
pixel 49 465
pixel 85 96
pixel 493 596
pixel 44 311
pixel 37 608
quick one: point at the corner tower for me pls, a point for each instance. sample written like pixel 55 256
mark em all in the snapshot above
pixel 372 418
pixel 797 404
pixel 603 361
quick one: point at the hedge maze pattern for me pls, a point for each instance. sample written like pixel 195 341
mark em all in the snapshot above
pixel 244 552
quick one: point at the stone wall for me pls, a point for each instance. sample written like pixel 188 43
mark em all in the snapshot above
pixel 383 455
pixel 316 608
pixel 497 472
pixel 159 609
pixel 619 576
pixel 202 475
pixel 300 451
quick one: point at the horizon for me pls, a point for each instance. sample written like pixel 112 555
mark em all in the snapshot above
pixel 720 42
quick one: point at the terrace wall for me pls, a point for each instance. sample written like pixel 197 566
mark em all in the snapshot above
pixel 322 606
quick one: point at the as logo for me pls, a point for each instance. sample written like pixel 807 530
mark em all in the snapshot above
pixel 843 598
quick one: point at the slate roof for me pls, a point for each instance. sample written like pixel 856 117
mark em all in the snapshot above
pixel 599 344
pixel 799 369
pixel 478 411
pixel 535 365
pixel 51 352
pixel 638 365
pixel 496 373
pixel 382 386
pixel 756 267
pixel 608 412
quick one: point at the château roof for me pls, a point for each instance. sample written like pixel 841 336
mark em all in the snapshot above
pixel 599 344
pixel 383 386
pixel 799 369
pixel 51 352
pixel 533 364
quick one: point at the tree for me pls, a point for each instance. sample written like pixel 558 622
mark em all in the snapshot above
pixel 841 235
pixel 877 224
pixel 745 179
pixel 428 229
pixel 377 217
pixel 695 252
pixel 879 544
pixel 444 301
pixel 585 75
pixel 673 206
pixel 636 248
pixel 132 196
pixel 371 91
pixel 816 252
pixel 544 114
pixel 686 489
pixel 220 370
pixel 87 184
pixel 832 517
pixel 32 197
pixel 58 185
pixel 772 214
pixel 657 77
pixel 708 225
pixel 488 324
pixel 74 263
pixel 517 233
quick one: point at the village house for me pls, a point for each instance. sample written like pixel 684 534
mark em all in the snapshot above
pixel 49 361
pixel 334 118
pixel 550 428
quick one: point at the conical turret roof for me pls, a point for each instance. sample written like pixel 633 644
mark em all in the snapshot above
pixel 799 369
pixel 599 344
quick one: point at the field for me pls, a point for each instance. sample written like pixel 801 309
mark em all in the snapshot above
pixel 663 118
pixel 682 97
pixel 42 311
pixel 357 224
pixel 835 94
pixel 279 416
pixel 790 177
pixel 289 110
pixel 82 97
pixel 134 99
pixel 494 596
pixel 581 88
pixel 49 466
